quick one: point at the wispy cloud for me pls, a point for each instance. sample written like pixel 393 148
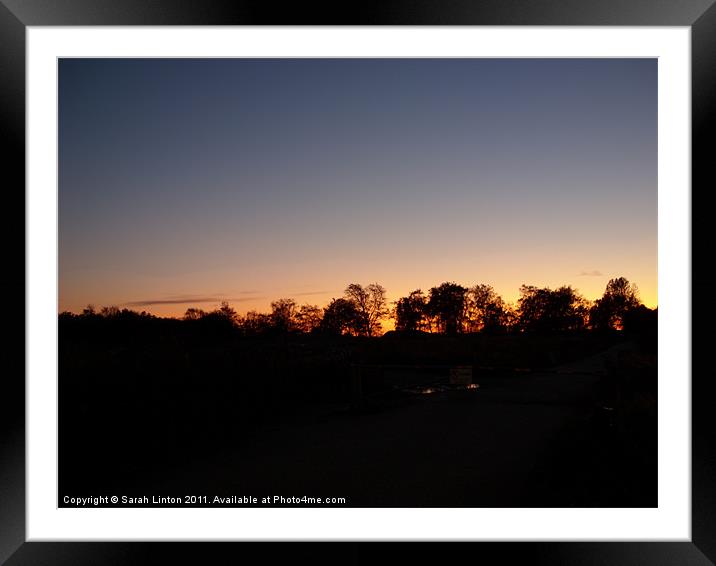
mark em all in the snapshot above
pixel 594 273
pixel 242 296
pixel 187 300
pixel 218 296
pixel 307 293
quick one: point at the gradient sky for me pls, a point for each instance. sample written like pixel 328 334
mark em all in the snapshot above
pixel 187 182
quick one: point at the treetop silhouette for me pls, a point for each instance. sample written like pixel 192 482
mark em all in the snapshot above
pixel 448 308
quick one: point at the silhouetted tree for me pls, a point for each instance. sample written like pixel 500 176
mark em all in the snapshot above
pixel 410 312
pixel 371 305
pixel 89 310
pixel 619 298
pixel 341 316
pixel 219 322
pixel 194 314
pixel 485 310
pixel 109 312
pixel 641 324
pixel 256 323
pixel 308 318
pixel 545 310
pixel 447 306
pixel 510 317
pixel 283 315
pixel 226 311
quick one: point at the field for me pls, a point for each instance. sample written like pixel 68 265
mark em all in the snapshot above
pixel 552 421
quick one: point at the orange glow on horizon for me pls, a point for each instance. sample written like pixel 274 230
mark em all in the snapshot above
pixel 304 175
pixel 242 307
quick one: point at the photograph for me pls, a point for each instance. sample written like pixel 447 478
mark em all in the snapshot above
pixel 357 282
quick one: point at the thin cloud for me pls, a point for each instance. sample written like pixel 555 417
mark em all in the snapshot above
pixel 307 293
pixel 594 273
pixel 189 298
pixel 186 301
pixel 220 296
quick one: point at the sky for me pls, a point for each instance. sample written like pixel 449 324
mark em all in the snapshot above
pixel 187 182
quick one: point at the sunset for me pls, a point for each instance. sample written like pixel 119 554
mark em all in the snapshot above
pixel 184 183
pixel 358 283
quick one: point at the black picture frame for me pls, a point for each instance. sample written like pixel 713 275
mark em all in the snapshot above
pixel 699 15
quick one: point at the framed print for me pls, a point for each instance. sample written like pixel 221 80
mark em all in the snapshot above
pixel 419 275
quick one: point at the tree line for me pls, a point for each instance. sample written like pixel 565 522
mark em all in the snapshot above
pixel 448 308
pixel 453 309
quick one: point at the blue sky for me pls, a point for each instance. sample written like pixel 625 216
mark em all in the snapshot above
pixel 186 182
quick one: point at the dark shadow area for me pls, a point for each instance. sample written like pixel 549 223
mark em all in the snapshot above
pixel 167 407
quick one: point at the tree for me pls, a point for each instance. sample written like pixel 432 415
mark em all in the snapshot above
pixel 222 321
pixel 641 323
pixel 109 312
pixel 308 318
pixel 545 310
pixel 255 323
pixel 620 297
pixel 341 316
pixel 485 310
pixel 89 310
pixel 410 312
pixel 371 305
pixel 227 312
pixel 194 314
pixel 447 306
pixel 283 315
pixel 510 317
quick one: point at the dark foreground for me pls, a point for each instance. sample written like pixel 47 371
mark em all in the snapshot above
pixel 572 423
